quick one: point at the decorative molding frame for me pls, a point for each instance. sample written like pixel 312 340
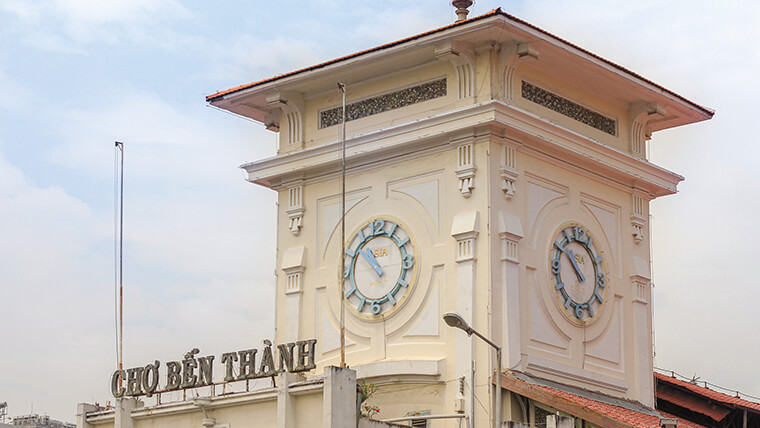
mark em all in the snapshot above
pixel 466 168
pixel 290 104
pixel 462 57
pixel 295 208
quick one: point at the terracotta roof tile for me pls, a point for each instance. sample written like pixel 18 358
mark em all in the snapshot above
pixel 709 393
pixel 631 417
pixel 595 411
pixel 688 400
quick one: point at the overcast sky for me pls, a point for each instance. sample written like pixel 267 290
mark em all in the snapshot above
pixel 75 75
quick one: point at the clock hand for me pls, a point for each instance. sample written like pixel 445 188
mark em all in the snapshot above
pixel 370 258
pixel 571 256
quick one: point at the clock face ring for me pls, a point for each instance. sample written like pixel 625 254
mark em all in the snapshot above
pixel 379 268
pixel 576 267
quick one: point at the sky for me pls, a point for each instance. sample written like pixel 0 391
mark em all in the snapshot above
pixel 77 75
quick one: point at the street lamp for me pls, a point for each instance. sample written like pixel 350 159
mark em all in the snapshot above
pixel 455 320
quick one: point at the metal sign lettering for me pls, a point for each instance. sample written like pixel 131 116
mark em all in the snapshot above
pixel 193 372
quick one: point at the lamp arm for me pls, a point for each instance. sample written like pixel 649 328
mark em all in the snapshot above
pixel 485 339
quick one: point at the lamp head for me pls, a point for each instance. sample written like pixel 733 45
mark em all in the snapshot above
pixel 455 320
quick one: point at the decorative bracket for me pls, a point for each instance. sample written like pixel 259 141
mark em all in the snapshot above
pixel 637 225
pixel 295 209
pixel 508 173
pixel 291 105
pixel 510 57
pixel 638 219
pixel 465 169
pixel 640 114
pixel 462 57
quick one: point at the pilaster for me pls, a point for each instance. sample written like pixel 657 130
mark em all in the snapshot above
pixel 82 410
pixel 465 230
pixel 286 412
pixel 510 233
pixel 339 398
pixel 642 324
pixel 294 265
pixel 123 413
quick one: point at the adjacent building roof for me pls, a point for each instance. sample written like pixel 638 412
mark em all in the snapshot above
pixel 702 404
pixel 599 409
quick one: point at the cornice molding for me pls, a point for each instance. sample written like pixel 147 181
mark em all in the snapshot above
pixel 536 133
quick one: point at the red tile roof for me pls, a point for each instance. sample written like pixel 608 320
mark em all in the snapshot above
pixel 595 411
pixel 216 96
pixel 689 401
pixel 709 393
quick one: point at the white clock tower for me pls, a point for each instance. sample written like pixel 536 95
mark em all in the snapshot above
pixel 493 170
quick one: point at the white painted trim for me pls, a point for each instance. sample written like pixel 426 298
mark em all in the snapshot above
pixel 399 368
pixel 552 368
pixel 508 24
pixel 187 406
pixel 548 138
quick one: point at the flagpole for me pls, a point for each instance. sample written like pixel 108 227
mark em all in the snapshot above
pixel 342 87
pixel 120 147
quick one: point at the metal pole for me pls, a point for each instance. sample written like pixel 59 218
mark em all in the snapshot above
pixel 121 255
pixel 498 387
pixel 470 331
pixel 342 87
pixel 472 392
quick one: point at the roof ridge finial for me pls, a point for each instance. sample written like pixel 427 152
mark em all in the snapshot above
pixel 461 6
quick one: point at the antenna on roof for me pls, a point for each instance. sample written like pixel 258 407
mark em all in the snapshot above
pixel 461 6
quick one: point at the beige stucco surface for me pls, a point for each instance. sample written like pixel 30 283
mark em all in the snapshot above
pixel 479 250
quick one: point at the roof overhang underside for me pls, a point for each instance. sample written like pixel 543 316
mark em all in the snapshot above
pixel 558 58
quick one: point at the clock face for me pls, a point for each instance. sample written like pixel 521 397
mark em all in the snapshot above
pixel 379 267
pixel 577 272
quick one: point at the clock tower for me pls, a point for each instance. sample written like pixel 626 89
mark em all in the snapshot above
pixel 494 170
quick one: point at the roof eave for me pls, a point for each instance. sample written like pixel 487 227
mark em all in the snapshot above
pixel 691 112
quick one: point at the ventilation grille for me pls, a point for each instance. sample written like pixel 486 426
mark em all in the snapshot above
pixel 381 103
pixel 568 108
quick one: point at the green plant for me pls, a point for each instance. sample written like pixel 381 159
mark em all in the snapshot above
pixel 367 390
